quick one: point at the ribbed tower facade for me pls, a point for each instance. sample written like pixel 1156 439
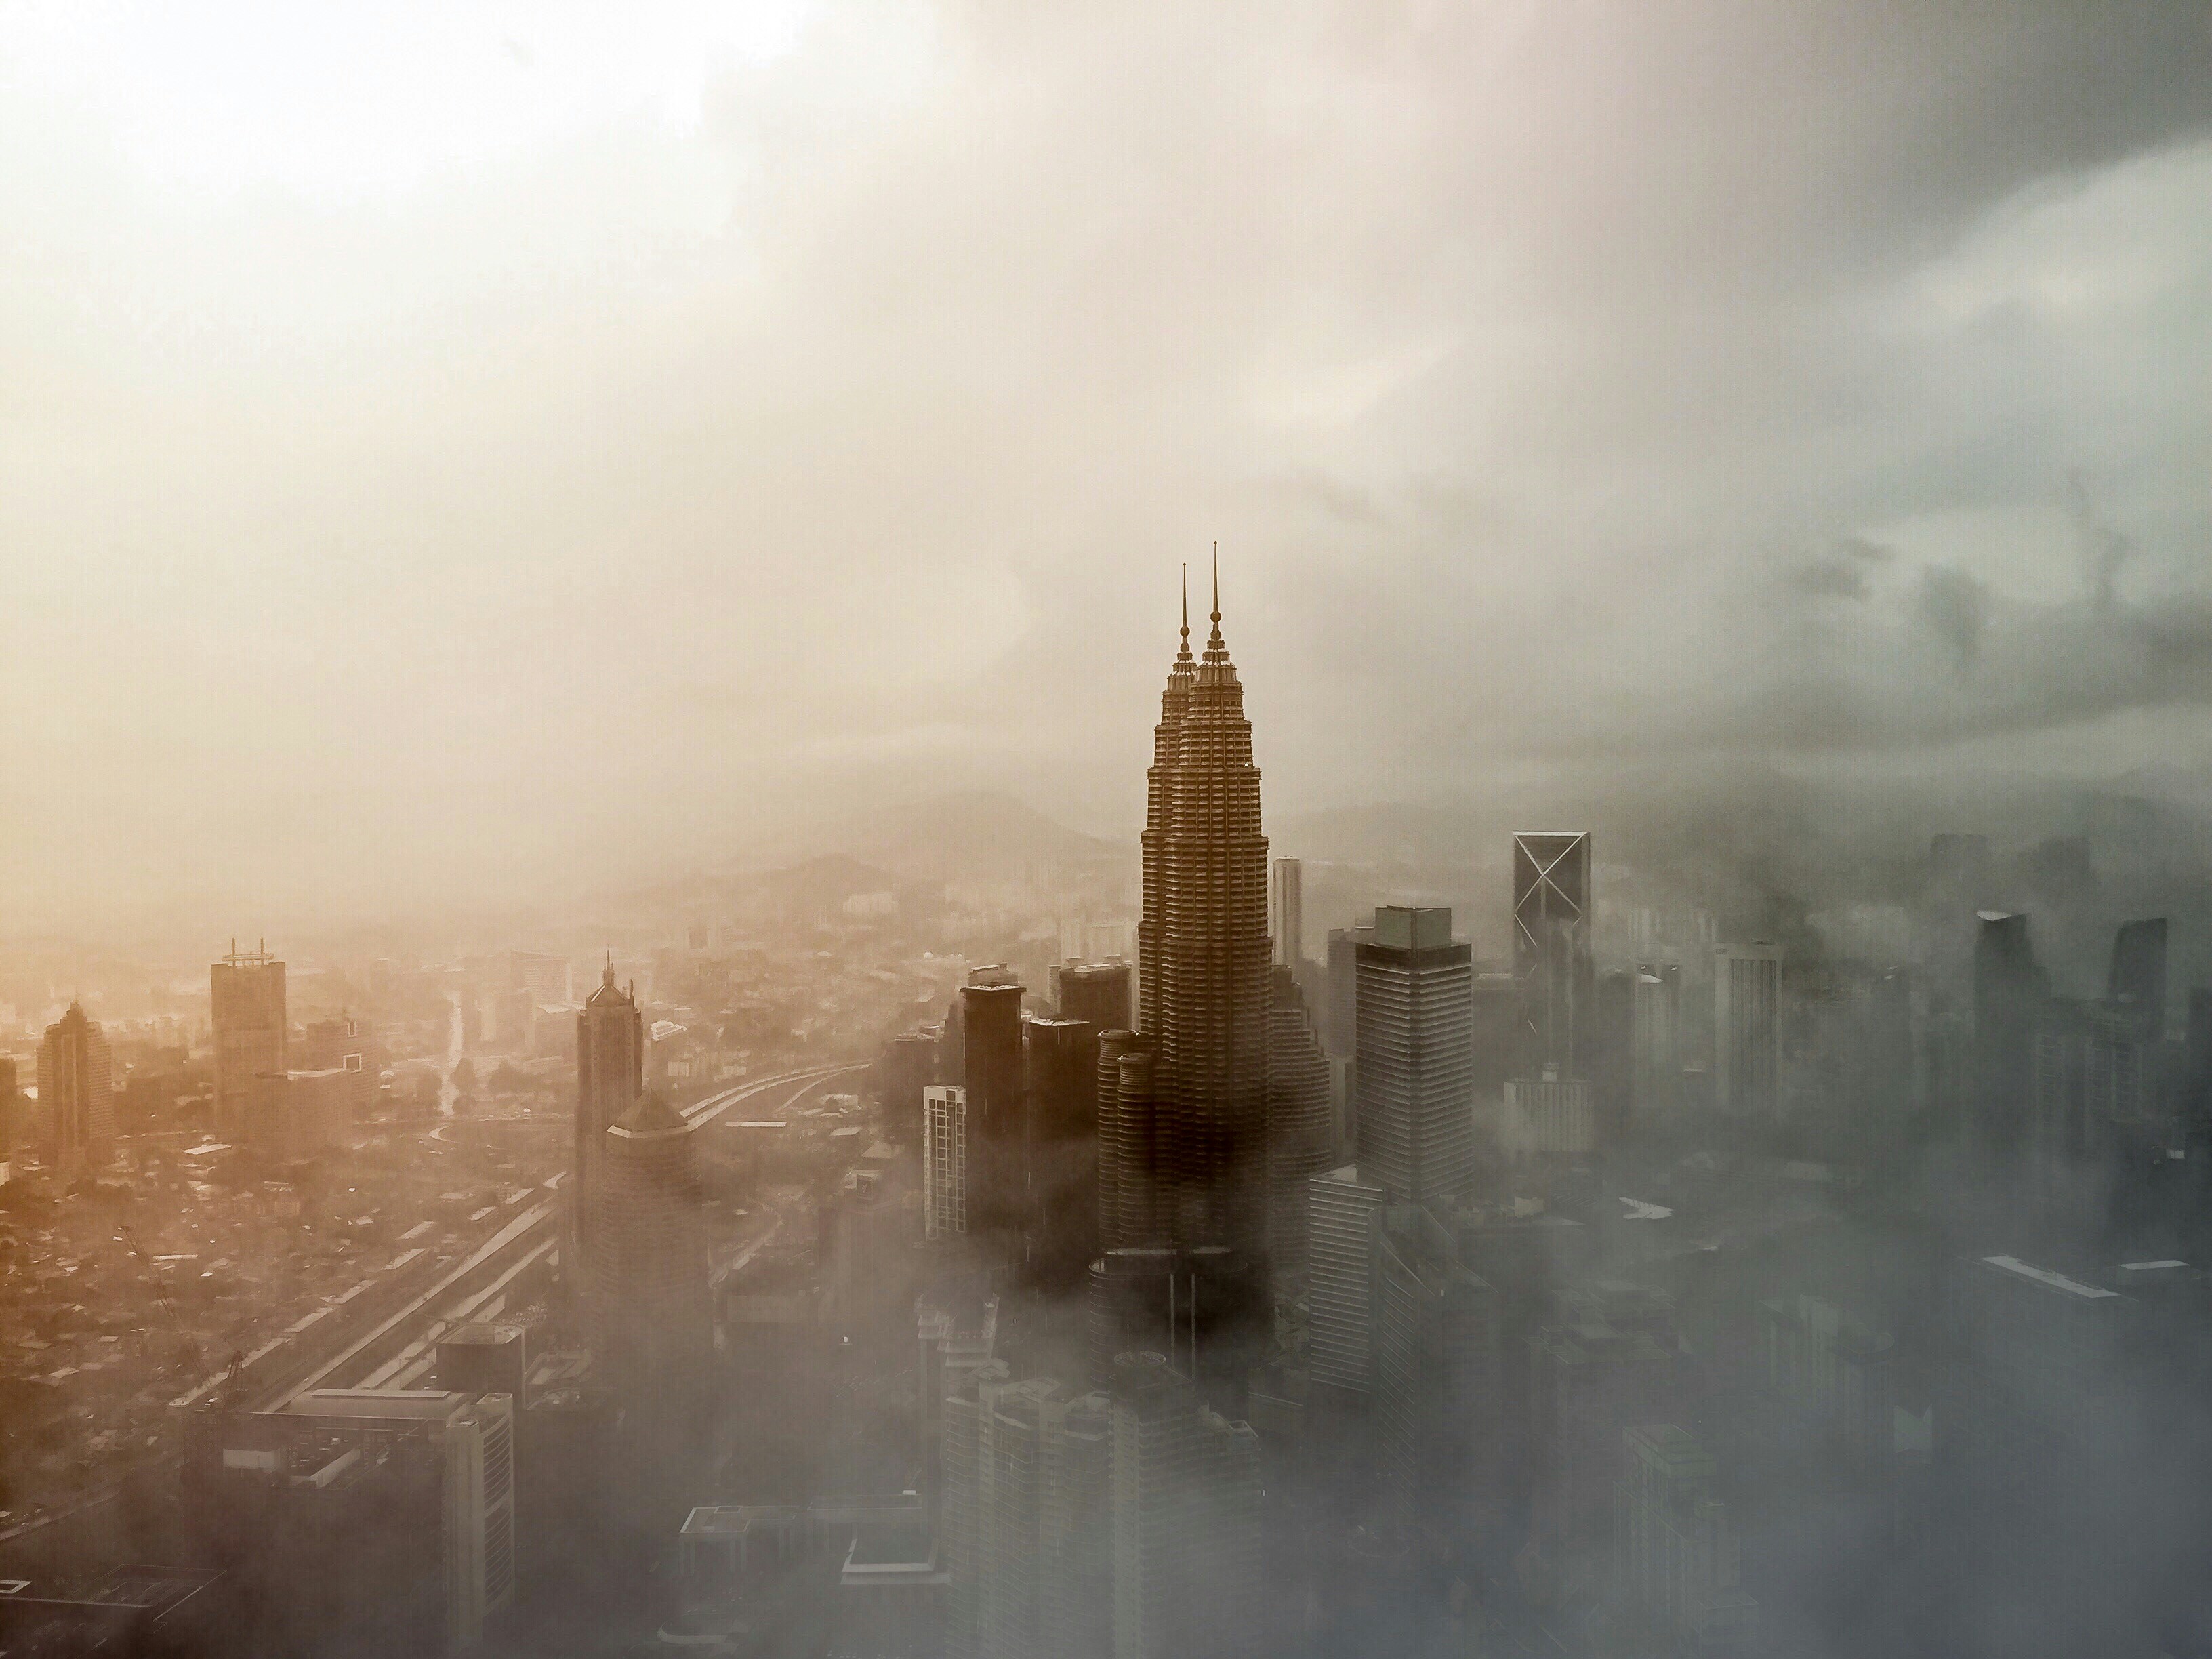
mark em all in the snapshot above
pixel 1203 959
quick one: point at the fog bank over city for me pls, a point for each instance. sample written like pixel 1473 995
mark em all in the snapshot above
pixel 972 830
pixel 481 454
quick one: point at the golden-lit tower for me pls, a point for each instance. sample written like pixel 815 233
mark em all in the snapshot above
pixel 1203 955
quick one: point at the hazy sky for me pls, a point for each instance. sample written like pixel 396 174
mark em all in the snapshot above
pixel 468 450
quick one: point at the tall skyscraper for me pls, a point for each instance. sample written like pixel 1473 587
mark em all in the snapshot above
pixel 1130 1203
pixel 610 1079
pixel 1612 1067
pixel 1203 955
pixel 945 1160
pixel 1551 947
pixel 1187 1537
pixel 76 1094
pixel 1341 1277
pixel 2008 1003
pixel 1097 993
pixel 1037 1556
pixel 1416 1057
pixel 1083 1525
pixel 1063 1056
pixel 1061 1151
pixel 995 1072
pixel 1747 1029
pixel 2134 985
pixel 649 1255
pixel 1076 1507
pixel 908 1066
pixel 1436 1363
pixel 1344 988
pixel 246 1004
pixel 2060 1136
pixel 1657 1017
pixel 1301 1129
pixel 8 1108
pixel 1287 914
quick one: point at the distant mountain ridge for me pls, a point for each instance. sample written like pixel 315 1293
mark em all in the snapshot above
pixel 965 835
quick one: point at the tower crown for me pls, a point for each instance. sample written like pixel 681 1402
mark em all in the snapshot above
pixel 1217 669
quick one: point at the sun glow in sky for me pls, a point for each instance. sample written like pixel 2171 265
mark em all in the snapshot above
pixel 345 100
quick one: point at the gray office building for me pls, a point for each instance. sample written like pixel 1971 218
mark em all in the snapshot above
pixel 1339 1278
pixel 1416 1057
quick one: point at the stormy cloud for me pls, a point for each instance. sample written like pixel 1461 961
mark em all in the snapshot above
pixel 496 447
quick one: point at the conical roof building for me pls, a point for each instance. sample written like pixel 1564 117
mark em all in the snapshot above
pixel 609 1079
pixel 1203 956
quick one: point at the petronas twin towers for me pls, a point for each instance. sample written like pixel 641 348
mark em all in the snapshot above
pixel 1200 1175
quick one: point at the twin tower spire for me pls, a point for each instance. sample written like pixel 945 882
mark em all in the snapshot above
pixel 1215 643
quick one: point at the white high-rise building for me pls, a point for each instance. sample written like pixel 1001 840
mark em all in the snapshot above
pixel 945 1159
pixel 1287 914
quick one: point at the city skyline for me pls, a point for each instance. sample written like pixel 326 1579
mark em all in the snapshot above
pixel 622 550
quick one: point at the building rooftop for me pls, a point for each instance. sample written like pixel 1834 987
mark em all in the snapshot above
pixel 2045 1276
pixel 413 1405
pixel 486 1333
pixel 891 1546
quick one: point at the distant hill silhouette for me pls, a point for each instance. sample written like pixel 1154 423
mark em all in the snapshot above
pixel 973 834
